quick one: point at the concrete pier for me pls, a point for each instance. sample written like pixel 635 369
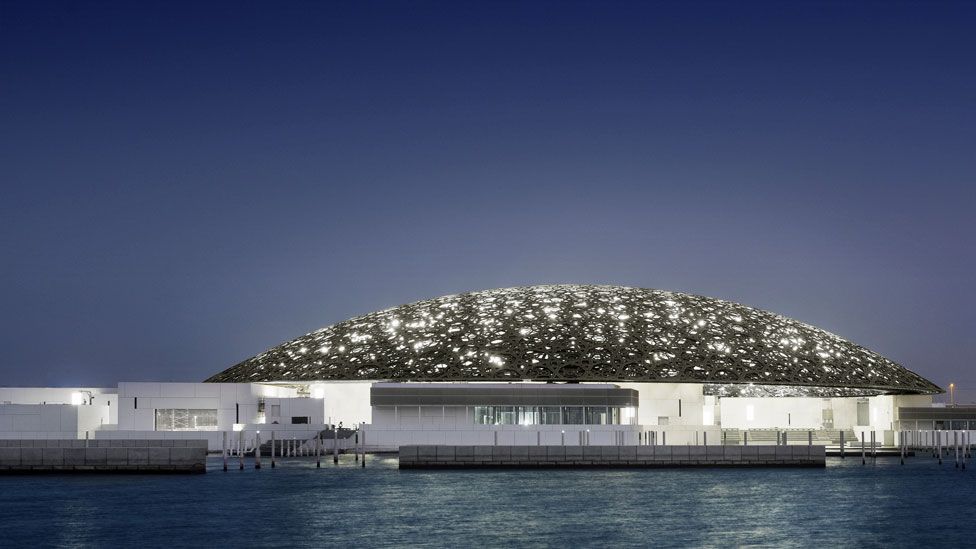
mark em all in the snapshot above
pixel 432 457
pixel 102 456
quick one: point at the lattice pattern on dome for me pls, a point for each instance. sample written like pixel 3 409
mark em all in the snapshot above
pixel 581 333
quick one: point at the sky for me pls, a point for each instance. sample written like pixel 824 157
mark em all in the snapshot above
pixel 186 184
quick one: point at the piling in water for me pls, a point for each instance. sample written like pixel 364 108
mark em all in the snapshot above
pixel 257 450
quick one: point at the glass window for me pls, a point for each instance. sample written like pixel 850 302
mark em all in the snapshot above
pixel 484 415
pixel 573 415
pixel 183 419
pixel 299 419
pixel 504 415
pixel 863 413
pixel 549 415
pixel 528 415
pixel 596 415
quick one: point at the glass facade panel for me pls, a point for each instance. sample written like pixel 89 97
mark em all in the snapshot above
pixel 184 419
pixel 546 415
pixel 573 415
pixel 550 415
pixel 597 415
pixel 528 415
pixel 484 415
pixel 505 415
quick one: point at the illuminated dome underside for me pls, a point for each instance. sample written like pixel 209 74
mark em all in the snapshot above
pixel 585 333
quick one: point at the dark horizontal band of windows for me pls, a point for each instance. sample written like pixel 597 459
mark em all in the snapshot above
pixel 935 425
pixel 550 415
pixel 955 413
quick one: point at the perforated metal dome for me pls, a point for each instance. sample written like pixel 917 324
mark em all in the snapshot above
pixel 585 333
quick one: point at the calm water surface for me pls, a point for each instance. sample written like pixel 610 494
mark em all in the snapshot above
pixel 882 504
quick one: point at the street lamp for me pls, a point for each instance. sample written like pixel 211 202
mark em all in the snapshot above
pixel 952 394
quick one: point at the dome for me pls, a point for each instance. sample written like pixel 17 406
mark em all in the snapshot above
pixel 576 333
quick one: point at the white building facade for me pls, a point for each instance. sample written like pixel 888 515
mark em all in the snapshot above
pixel 395 414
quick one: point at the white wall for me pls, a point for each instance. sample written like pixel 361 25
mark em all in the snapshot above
pixel 50 395
pixel 312 408
pixel 769 413
pixel 661 400
pixel 38 420
pixel 236 403
pixel 48 412
pixel 345 401
pixel 389 437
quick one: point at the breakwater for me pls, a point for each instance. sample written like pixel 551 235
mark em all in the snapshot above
pixel 432 457
pixel 102 456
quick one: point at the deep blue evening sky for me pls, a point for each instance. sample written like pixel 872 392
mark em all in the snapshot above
pixel 186 186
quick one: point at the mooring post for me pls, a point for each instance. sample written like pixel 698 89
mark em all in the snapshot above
pixel 901 439
pixel 318 449
pixel 538 438
pixel 955 446
pixel 86 439
pixel 874 445
pixel 272 450
pixel 664 438
pixel 862 448
pixel 225 450
pixel 240 447
pixel 784 438
pixel 962 445
pixel 809 438
pixel 335 444
pixel 940 447
pixel 355 445
pixel 842 445
pixel 257 450
pixel 363 424
pixel 705 438
pixel 745 438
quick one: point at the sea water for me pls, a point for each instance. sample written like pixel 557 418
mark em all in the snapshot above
pixel 881 504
